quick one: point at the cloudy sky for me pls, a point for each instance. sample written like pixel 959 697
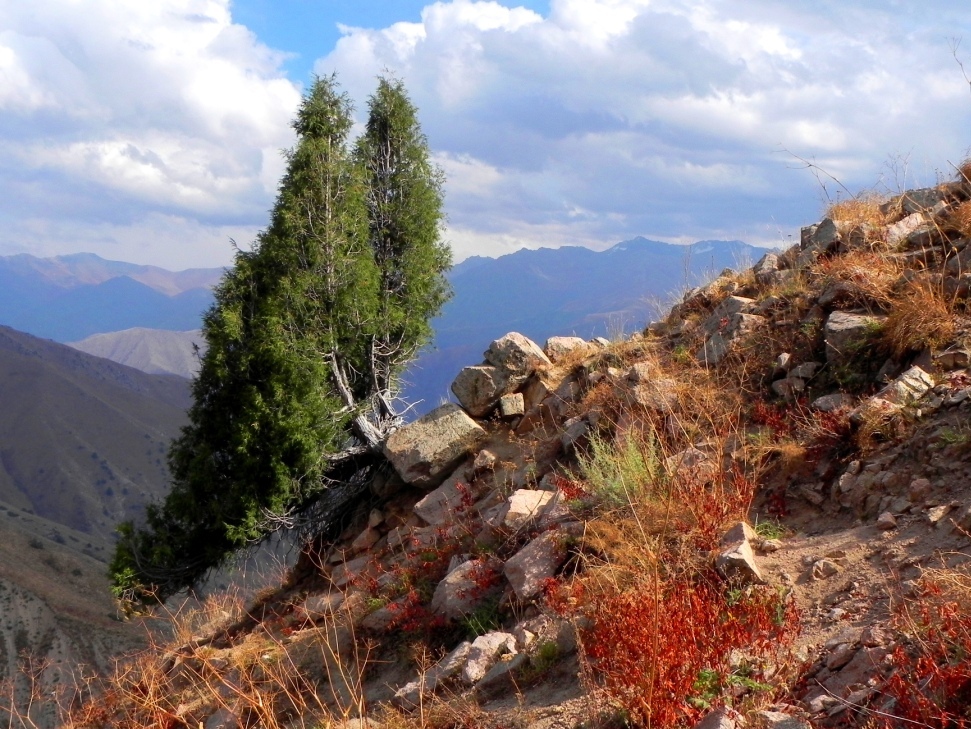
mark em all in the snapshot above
pixel 151 131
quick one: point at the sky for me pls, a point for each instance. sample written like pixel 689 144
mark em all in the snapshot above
pixel 153 132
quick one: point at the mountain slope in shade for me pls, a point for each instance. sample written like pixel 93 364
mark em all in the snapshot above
pixel 547 292
pixel 82 440
pixel 155 351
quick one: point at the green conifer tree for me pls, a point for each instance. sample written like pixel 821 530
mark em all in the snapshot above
pixel 286 378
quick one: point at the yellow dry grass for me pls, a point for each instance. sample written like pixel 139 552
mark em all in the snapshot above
pixel 919 318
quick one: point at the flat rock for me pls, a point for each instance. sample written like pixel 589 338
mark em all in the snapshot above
pixel 513 405
pixel 780 720
pixel 845 333
pixel 425 451
pixel 532 565
pixel 558 347
pixel 526 506
pixel 908 387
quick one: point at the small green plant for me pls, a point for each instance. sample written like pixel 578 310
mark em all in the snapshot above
pixel 771 529
pixel 620 473
pixel 950 436
pixel 484 619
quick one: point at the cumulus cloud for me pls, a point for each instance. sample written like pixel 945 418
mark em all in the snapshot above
pixel 668 118
pixel 121 117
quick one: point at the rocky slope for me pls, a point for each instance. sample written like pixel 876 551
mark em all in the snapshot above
pixel 754 513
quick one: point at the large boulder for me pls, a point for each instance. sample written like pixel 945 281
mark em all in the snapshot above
pixel 516 356
pixel 426 451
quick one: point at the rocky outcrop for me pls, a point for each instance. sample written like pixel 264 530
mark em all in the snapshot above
pixel 426 450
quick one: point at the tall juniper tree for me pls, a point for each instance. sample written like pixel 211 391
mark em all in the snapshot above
pixel 306 337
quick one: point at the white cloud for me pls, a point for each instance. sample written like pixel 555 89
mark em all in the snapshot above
pixel 129 111
pixel 666 117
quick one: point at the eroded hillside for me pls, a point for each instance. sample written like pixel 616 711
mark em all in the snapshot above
pixel 756 512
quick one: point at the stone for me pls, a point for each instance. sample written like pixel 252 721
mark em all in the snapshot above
pixel 467 587
pixel 780 720
pixel 725 311
pixel 350 571
pixel 512 406
pixel 953 359
pixel 691 459
pixel 736 561
pixel 531 566
pixel 502 673
pixel 717 346
pixel 908 387
pixel 918 489
pixel 660 395
pixel 789 388
pixel 322 604
pixel 721 718
pixel 832 403
pixel 425 451
pixel 782 364
pixel 478 389
pixel 365 540
pixel 805 371
pixel 823 568
pixel 765 269
pixel 526 506
pixel 516 356
pixel 916 201
pixel 484 653
pixel 447 503
pixel 845 333
pixel 897 232
pixel 485 460
pixel 886 521
pixel 937 513
pixel 557 348
pixel 573 430
pixel 410 695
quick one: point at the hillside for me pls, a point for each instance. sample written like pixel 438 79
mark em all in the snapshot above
pixel 155 351
pixel 84 439
pixel 754 513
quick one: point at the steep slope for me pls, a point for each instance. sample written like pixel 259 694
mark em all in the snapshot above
pixel 155 351
pixel 757 512
pixel 82 439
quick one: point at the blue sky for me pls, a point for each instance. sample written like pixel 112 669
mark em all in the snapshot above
pixel 152 132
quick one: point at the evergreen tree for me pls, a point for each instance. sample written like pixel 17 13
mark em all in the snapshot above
pixel 306 335
pixel 404 203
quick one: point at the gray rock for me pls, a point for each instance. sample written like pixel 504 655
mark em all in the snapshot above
pixel 908 388
pixel 886 521
pixel 736 561
pixel 448 502
pixel 765 268
pixel 427 450
pixel 485 652
pixel 723 313
pixel 845 333
pixel 805 371
pixel 511 406
pixel 558 347
pixel 897 232
pixel 525 506
pixel 721 718
pixel 660 395
pixel 789 388
pixel 953 359
pixel 478 388
pixel 779 720
pixel 532 565
pixel 832 403
pixel 410 695
pixel 467 587
pixel 573 430
pixel 517 356
pixel 916 201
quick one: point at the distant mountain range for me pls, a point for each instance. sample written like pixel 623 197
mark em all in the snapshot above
pixel 72 297
pixel 537 292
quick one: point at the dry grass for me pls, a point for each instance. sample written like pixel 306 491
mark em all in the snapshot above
pixel 860 220
pixel 964 171
pixel 867 277
pixel 919 318
pixel 960 219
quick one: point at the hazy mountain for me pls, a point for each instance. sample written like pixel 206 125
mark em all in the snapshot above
pixel 71 297
pixel 155 351
pixel 82 439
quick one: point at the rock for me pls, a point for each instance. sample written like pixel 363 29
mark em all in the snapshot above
pixel 779 720
pixel 782 364
pixel 502 673
pixel 516 356
pixel 410 695
pixel 918 489
pixel 953 359
pixel 717 346
pixel 484 653
pixel 832 403
pixel 736 561
pixel 573 430
pixel 557 348
pixel 898 232
pixel 719 319
pixel 908 388
pixel 916 201
pixel 765 269
pixel 823 568
pixel 485 460
pixel 466 587
pixel 351 570
pixel 532 565
pixel 886 521
pixel 425 451
pixel 789 388
pixel 511 406
pixel 841 656
pixel 805 371
pixel 963 519
pixel 660 395
pixel 526 506
pixel 447 503
pixel 692 460
pixel 365 540
pixel 846 333
pixel 721 718
pixel 937 513
pixel 478 388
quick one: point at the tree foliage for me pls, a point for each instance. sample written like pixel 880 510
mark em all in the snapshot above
pixel 306 339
